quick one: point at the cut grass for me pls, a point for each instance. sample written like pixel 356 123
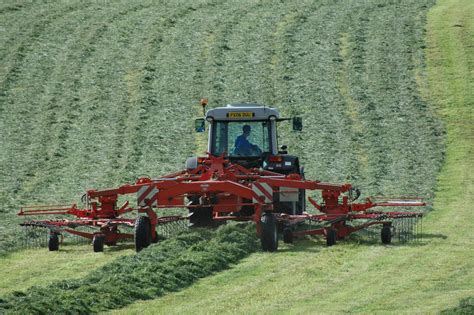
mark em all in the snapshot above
pixel 413 278
pixel 451 82
pixel 109 94
pixel 166 267
pixel 349 277
pixel 38 267
pixel 113 83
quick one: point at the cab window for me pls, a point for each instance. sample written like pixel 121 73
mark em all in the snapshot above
pixel 241 138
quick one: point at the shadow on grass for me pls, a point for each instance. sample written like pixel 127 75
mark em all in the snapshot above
pixel 422 239
pixel 314 244
pixel 85 246
pixel 309 245
pixel 433 235
pixel 119 247
pixel 394 243
pixel 114 248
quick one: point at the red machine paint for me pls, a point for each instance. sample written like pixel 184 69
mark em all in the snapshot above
pixel 226 189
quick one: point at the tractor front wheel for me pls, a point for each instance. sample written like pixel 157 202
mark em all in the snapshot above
pixel 53 242
pixel 331 237
pixel 269 237
pixel 386 234
pixel 142 233
pixel 98 243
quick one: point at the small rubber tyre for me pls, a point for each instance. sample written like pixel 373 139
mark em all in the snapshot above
pixel 142 233
pixel 98 243
pixel 53 242
pixel 386 234
pixel 269 237
pixel 287 236
pixel 331 237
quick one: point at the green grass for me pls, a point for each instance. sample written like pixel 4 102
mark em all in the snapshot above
pixel 466 306
pixel 94 95
pixel 413 278
pixel 166 267
pixel 451 81
pixel 36 267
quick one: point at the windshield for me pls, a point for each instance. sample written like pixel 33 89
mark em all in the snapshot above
pixel 241 138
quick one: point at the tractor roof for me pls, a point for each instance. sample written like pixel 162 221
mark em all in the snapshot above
pixel 243 111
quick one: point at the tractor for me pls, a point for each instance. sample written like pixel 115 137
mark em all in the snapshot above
pixel 244 177
pixel 246 135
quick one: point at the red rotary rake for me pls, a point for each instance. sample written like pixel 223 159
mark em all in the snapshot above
pixel 243 178
pixel 218 190
pixel 336 217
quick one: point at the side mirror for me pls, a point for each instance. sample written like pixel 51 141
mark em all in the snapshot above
pixel 200 125
pixel 297 124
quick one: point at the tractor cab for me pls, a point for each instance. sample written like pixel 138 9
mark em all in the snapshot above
pixel 246 134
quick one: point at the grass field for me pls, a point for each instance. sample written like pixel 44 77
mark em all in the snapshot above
pixel 417 278
pixel 93 95
pixel 32 267
pixel 167 267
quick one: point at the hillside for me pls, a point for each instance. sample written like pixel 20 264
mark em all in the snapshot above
pixel 94 95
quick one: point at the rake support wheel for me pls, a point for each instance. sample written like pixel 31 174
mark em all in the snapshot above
pixel 287 236
pixel 331 237
pixel 269 237
pixel 386 234
pixel 142 233
pixel 53 242
pixel 98 243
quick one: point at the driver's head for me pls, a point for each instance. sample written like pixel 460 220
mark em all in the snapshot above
pixel 246 130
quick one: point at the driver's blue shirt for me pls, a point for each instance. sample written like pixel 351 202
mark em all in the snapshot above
pixel 242 145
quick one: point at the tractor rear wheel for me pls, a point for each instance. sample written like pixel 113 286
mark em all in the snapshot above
pixel 53 241
pixel 331 237
pixel 142 233
pixel 98 243
pixel 269 237
pixel 386 234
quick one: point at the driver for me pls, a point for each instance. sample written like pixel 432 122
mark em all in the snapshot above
pixel 242 145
